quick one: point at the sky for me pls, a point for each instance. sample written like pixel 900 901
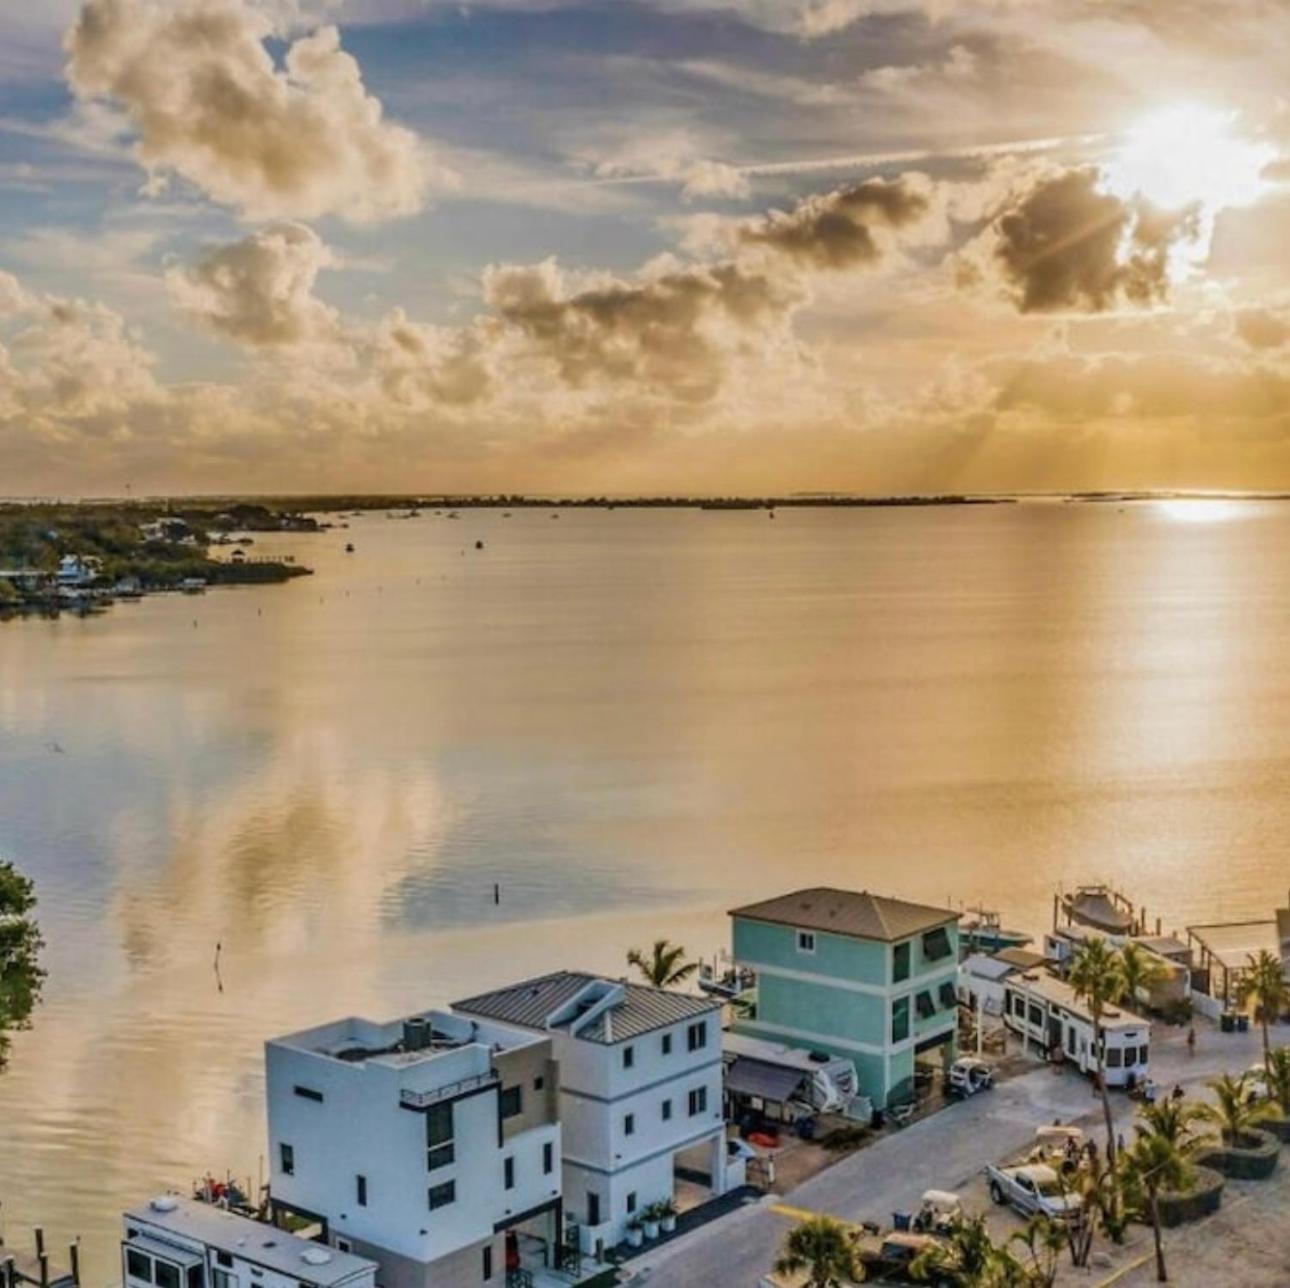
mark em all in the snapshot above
pixel 644 246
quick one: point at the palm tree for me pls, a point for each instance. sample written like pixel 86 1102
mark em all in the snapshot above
pixel 1097 976
pixel 822 1248
pixel 1043 1238
pixel 1276 1076
pixel 1236 1115
pixel 665 967
pixel 1142 970
pixel 1264 984
pixel 1153 1163
pixel 967 1257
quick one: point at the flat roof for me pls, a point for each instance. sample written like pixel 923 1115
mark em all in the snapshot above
pixel 255 1241
pixel 1052 989
pixel 981 966
pixel 1234 942
pixel 642 1009
pixel 856 913
pixel 1022 957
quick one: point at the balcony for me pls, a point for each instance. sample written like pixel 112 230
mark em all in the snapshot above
pixel 448 1091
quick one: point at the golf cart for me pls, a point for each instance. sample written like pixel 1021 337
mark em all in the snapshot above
pixel 968 1075
pixel 937 1212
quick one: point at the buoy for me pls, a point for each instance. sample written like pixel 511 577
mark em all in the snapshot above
pixel 479 545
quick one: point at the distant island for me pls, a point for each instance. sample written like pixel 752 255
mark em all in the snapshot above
pixel 81 556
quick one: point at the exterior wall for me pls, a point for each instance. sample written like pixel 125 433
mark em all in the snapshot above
pixel 525 1068
pixel 465 1267
pixel 839 998
pixel 360 1128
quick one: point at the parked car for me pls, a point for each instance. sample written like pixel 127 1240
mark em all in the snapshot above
pixel 1033 1188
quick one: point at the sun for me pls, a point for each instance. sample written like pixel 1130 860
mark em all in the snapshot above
pixel 1187 154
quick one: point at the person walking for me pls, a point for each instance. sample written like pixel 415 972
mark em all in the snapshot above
pixel 1191 1039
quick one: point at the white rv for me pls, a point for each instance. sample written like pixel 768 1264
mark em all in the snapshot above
pixel 824 1082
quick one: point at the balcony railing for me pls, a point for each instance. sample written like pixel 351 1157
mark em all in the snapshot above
pixel 420 1099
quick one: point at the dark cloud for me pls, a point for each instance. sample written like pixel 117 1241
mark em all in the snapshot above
pixel 839 229
pixel 1068 244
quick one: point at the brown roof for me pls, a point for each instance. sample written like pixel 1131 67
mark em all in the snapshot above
pixel 848 912
pixel 1020 957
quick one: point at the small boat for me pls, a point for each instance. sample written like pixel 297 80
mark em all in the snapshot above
pixel 724 979
pixel 1100 908
pixel 193 585
pixel 982 931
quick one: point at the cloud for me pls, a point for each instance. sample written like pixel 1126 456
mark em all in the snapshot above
pixel 1064 243
pixel 845 228
pixel 421 365
pixel 1262 328
pixel 258 292
pixel 671 156
pixel 206 100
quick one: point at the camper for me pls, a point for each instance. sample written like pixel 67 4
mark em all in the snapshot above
pixel 1049 1017
pixel 823 1082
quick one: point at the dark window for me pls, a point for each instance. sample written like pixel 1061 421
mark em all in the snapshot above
pixel 223 1259
pixel 948 999
pixel 629 1057
pixel 548 1159
pixel 512 1103
pixel 900 956
pixel 1112 1062
pixel 1019 1006
pixel 593 1208
pixel 667 1111
pixel 488 1262
pixel 629 1124
pixel 1036 1016
pixel 138 1266
pixel 667 1044
pixel 539 1082
pixel 508 1173
pixel 308 1093
pixel 360 1184
pixel 631 1201
pixel 196 1279
pixel 696 1036
pixel 900 1019
pixel 805 941
pixel 936 945
pixel 439 1136
pixel 165 1275
pixel 698 1101
pixel 287 1155
pixel 924 1005
pixel 442 1195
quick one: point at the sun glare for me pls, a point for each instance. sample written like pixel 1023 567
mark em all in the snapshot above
pixel 1189 153
pixel 1198 510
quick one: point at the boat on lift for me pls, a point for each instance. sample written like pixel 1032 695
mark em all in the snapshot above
pixel 982 931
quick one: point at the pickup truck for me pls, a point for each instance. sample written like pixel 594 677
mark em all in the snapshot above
pixel 1033 1188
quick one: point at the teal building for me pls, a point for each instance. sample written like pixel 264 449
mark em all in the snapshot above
pixel 856 975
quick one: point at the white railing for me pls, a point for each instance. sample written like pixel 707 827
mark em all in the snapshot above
pixel 420 1099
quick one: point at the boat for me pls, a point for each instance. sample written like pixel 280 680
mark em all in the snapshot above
pixel 1100 908
pixel 193 585
pixel 982 931
pixel 722 978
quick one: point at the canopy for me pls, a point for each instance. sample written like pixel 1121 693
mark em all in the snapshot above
pixel 749 1077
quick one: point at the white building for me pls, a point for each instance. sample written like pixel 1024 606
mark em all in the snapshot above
pixel 179 1243
pixel 429 1144
pixel 75 571
pixel 640 1091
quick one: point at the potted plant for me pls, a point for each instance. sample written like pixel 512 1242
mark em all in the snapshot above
pixel 635 1234
pixel 649 1218
pixel 667 1216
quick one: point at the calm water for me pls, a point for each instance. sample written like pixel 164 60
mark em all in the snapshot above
pixel 630 720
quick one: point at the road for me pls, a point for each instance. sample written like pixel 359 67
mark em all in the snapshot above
pixel 944 1151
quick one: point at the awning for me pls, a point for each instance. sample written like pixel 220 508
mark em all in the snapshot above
pixel 748 1077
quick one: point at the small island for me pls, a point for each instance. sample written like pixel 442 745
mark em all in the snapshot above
pixel 80 557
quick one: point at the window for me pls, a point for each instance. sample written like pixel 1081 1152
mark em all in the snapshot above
pixel 196 1277
pixel 698 1101
pixel 222 1279
pixel 360 1186
pixel 900 1019
pixel 631 1202
pixel 629 1057
pixel 696 1036
pixel 538 1084
pixel 667 1111
pixel 1019 1006
pixel 287 1157
pixel 223 1259
pixel 629 1124
pixel 164 1275
pixel 344 1245
pixel 548 1159
pixel 948 999
pixel 806 941
pixel 936 945
pixel 1113 1058
pixel 667 1044
pixel 442 1195
pixel 512 1102
pixel 137 1266
pixel 308 1093
pixel 508 1173
pixel 1036 1016
pixel 593 1208
pixel 1142 1053
pixel 439 1136
pixel 488 1263
pixel 925 1006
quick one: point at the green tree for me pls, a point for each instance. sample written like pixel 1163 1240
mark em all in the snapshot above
pixel 1043 1238
pixel 1264 985
pixel 665 967
pixel 824 1250
pixel 1097 976
pixel 21 975
pixel 967 1257
pixel 1276 1074
pixel 1142 971
pixel 1236 1114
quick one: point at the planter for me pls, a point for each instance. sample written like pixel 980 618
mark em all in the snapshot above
pixel 1281 1129
pixel 635 1236
pixel 651 1229
pixel 668 1225
pixel 1253 1159
pixel 1204 1197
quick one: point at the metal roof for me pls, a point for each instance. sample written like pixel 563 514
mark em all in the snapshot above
pixel 532 1003
pixel 254 1241
pixel 849 912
